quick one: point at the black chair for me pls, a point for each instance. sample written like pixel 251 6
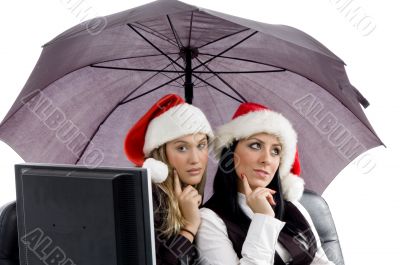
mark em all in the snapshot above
pixel 315 205
pixel 8 235
pixel 323 222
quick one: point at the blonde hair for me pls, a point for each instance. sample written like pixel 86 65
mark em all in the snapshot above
pixel 169 207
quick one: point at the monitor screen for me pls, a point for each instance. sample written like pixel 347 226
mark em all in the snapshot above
pixel 71 215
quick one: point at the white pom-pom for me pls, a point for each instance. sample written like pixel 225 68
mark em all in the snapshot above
pixel 157 170
pixel 292 187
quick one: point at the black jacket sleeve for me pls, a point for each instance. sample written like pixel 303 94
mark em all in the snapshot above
pixel 177 250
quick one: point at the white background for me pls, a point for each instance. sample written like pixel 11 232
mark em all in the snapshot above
pixel 363 198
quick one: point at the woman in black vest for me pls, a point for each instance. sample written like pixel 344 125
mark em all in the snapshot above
pixel 254 216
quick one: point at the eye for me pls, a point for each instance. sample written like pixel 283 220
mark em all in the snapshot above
pixel 276 151
pixel 202 145
pixel 182 148
pixel 255 146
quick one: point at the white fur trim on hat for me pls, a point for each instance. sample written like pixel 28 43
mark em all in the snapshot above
pixel 176 122
pixel 292 187
pixel 257 122
pixel 157 170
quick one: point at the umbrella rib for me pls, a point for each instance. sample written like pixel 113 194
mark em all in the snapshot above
pixel 116 106
pixel 241 59
pixel 154 46
pixel 223 81
pixel 200 72
pixel 142 84
pixel 226 50
pixel 204 79
pixel 180 85
pixel 135 57
pixel 166 37
pixel 183 81
pixel 136 69
pixel 226 94
pixel 223 37
pixel 151 90
pixel 190 29
pixel 238 72
pixel 5 120
pixel 175 33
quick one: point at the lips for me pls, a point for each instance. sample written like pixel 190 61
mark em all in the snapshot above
pixel 194 171
pixel 261 173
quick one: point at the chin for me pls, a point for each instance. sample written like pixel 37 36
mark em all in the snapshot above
pixel 259 183
pixel 192 180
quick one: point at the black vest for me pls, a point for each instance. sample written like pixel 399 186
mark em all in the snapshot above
pixel 296 236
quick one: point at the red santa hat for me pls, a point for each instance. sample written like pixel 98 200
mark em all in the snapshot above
pixel 168 119
pixel 252 118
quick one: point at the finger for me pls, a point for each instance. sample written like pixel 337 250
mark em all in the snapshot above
pixel 271 200
pixel 177 184
pixel 188 189
pixel 189 192
pixel 258 189
pixel 199 199
pixel 191 195
pixel 246 186
pixel 265 193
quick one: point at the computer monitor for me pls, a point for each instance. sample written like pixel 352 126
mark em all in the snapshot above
pixel 71 215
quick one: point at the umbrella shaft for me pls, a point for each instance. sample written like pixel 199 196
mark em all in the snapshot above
pixel 188 76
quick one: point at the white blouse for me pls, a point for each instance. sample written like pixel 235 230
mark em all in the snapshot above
pixel 215 247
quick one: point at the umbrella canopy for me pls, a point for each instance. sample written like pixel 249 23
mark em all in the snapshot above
pixel 92 83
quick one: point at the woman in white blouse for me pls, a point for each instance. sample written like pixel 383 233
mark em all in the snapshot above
pixel 254 216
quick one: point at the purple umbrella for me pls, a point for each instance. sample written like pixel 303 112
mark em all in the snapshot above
pixel 92 83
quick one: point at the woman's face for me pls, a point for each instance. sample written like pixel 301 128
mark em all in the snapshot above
pixel 258 158
pixel 189 156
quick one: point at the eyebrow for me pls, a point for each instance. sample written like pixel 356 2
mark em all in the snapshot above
pixel 185 142
pixel 255 138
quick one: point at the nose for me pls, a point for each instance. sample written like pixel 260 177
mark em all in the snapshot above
pixel 265 157
pixel 194 157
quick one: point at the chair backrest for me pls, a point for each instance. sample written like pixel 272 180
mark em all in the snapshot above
pixel 315 205
pixel 8 235
pixel 323 222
